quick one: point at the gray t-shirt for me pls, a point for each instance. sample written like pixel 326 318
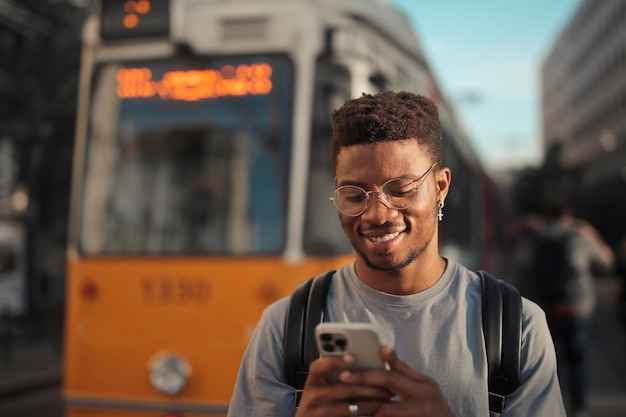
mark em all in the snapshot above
pixel 438 332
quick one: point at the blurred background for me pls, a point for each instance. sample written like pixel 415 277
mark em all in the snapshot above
pixel 93 200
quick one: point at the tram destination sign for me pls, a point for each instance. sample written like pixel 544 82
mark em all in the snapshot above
pixel 197 84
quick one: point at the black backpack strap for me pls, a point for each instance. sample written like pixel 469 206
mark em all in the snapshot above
pixel 294 334
pixel 502 328
pixel 316 306
pixel 306 309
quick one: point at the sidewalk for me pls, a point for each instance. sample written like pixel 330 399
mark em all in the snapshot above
pixel 27 360
pixel 607 386
pixel 607 360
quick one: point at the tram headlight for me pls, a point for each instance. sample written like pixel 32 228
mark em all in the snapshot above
pixel 169 373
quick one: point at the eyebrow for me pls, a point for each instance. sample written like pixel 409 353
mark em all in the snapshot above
pixel 362 184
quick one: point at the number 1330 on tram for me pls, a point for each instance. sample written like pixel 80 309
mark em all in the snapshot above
pixel 201 183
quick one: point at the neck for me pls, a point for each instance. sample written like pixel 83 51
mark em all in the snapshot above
pixel 420 275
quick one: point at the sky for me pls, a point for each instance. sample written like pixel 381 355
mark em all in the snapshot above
pixel 492 50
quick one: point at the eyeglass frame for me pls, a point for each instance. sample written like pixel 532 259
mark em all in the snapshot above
pixel 381 193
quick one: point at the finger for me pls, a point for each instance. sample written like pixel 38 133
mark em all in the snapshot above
pixel 415 391
pixel 413 397
pixel 340 392
pixel 369 407
pixel 342 409
pixel 320 370
pixel 422 388
pixel 334 400
pixel 400 379
pixel 398 365
pixel 346 392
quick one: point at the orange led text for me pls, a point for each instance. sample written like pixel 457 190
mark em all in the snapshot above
pixel 132 10
pixel 195 85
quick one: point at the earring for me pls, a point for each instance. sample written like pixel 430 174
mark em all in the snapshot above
pixel 440 205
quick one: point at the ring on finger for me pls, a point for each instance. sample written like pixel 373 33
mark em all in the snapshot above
pixel 354 410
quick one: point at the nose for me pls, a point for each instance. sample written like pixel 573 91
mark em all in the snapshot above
pixel 378 210
pixel 381 197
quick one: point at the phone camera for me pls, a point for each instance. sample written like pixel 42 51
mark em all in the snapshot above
pixel 326 337
pixel 333 342
pixel 341 343
pixel 328 347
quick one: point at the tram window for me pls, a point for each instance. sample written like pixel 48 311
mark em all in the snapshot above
pixel 180 164
pixel 323 233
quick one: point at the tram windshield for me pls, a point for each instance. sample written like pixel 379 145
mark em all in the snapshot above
pixel 188 156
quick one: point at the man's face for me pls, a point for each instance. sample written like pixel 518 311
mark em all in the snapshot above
pixel 385 238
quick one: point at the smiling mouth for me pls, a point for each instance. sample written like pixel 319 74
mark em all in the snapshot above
pixel 384 238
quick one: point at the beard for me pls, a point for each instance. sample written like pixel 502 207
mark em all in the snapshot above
pixel 390 267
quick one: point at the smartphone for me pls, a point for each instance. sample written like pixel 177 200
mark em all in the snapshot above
pixel 361 340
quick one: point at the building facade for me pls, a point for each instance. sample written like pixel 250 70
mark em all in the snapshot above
pixel 583 93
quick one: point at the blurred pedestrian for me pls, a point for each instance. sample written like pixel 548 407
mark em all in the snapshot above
pixel 522 234
pixel 568 254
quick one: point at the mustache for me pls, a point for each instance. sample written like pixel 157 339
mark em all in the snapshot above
pixel 388 225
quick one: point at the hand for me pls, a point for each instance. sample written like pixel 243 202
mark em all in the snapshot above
pixel 417 394
pixel 322 398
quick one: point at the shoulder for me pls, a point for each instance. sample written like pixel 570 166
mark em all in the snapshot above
pixel 536 337
pixel 270 328
pixel 533 316
pixel 276 312
pixel 274 316
pixel 532 313
pixel 469 281
pixel 462 276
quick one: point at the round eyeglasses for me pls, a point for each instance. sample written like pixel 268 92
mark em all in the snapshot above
pixel 397 193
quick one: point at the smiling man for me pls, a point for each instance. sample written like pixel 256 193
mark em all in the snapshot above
pixel 390 191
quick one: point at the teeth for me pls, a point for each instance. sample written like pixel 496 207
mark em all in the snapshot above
pixel 384 238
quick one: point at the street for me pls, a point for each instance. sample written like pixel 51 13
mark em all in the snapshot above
pixel 607 361
pixel 607 377
pixel 41 402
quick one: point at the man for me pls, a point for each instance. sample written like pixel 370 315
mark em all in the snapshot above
pixel 390 191
pixel 568 253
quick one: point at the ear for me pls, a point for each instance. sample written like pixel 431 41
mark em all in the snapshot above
pixel 443 178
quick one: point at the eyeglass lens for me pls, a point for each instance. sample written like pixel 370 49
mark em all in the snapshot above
pixel 397 193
